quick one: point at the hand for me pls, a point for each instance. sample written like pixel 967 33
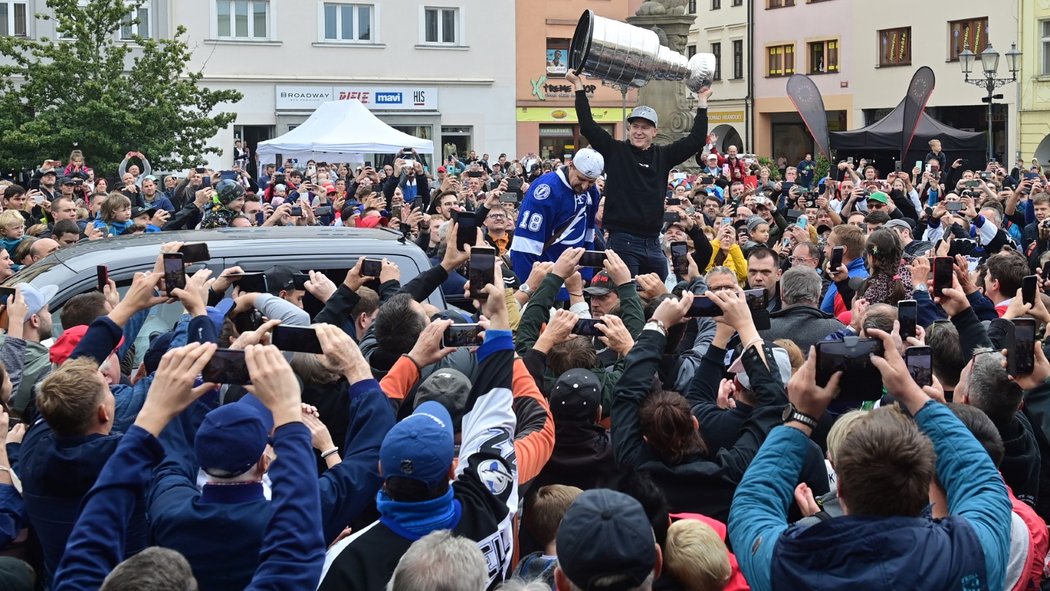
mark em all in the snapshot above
pixel 538 272
pixel 389 272
pixel 172 388
pixel 495 304
pixel 223 282
pixel 17 309
pixel 805 394
pixel 703 95
pixel 1040 372
pixel 920 271
pixel 616 336
pixel 160 218
pixel 735 312
pixel 574 283
pixel 354 280
pixel 895 375
pixel 566 263
pixel 320 438
pixel 195 296
pixel 140 295
pixel 16 433
pixel 807 504
pixel 953 299
pixel 454 257
pixel 274 383
pixel 651 285
pixel 573 78
pixel 858 311
pixel 428 349
pixel 617 269
pixel 320 286
pixel 559 330
pixel 259 336
pixel 672 311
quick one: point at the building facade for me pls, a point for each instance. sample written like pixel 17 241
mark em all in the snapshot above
pixel 442 70
pixel 544 102
pixel 1034 85
pixel 721 28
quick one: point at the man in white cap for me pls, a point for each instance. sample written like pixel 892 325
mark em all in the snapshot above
pixel 557 213
pixel 638 170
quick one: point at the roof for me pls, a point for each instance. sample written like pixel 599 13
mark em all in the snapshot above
pixel 886 133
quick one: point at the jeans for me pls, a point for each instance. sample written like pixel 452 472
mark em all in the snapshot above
pixel 641 254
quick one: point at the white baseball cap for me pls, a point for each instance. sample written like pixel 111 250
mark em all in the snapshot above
pixel 589 163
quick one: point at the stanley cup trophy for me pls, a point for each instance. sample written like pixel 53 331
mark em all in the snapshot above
pixel 622 55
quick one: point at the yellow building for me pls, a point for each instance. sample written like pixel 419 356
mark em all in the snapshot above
pixel 1035 80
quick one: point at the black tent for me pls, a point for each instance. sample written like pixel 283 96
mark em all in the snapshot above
pixel 885 136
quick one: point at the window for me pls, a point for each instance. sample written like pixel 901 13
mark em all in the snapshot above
pixel 895 47
pixel 780 60
pixel 716 49
pixel 440 25
pixel 779 3
pixel 348 22
pixel 690 51
pixel 129 29
pixel 738 2
pixel 1044 26
pixel 972 33
pixel 14 21
pixel 691 9
pixel 738 59
pixel 823 57
pixel 557 58
pixel 242 19
pixel 716 4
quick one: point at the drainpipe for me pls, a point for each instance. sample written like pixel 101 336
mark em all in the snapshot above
pixel 749 103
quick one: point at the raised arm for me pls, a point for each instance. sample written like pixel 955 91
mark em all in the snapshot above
pixel 598 137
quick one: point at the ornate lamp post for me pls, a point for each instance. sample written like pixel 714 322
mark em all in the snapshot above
pixel 986 78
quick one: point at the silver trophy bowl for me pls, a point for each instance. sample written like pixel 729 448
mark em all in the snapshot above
pixel 624 55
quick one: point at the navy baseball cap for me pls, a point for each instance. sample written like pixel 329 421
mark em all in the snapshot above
pixel 231 438
pixel 627 546
pixel 420 446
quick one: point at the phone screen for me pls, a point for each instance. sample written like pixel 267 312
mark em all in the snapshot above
pixel 703 307
pixel 1029 287
pixel 195 252
pixel 1021 357
pixel 260 218
pixel 671 217
pixel 299 280
pixel 174 271
pixel 482 270
pixel 836 258
pixel 296 211
pixel 943 270
pixel 920 364
pixel 852 357
pixel 296 338
pixel 5 293
pixel 1046 271
pixel 323 210
pixel 251 282
pixel 226 366
pixel 467 229
pixel 680 259
pixel 102 276
pixel 587 327
pixel 461 335
pixel 756 298
pixel 592 258
pixel 371 268
pixel 907 316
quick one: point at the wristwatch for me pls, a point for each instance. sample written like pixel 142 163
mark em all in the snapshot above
pixel 525 289
pixel 793 414
pixel 921 287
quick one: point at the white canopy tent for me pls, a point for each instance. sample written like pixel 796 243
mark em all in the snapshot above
pixel 341 131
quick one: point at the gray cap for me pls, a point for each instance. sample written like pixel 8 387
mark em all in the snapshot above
pixel 899 223
pixel 644 112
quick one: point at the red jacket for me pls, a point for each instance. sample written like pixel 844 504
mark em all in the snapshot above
pixel 736 580
pixel 1038 545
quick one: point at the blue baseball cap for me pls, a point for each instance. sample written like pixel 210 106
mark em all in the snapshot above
pixel 420 446
pixel 231 438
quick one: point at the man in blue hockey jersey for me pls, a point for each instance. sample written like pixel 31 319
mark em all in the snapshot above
pixel 557 213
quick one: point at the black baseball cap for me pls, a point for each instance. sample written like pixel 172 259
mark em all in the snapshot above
pixel 575 396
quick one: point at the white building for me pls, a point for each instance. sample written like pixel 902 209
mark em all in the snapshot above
pixel 721 28
pixel 442 70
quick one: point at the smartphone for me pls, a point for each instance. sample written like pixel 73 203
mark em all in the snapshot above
pixel 299 280
pixel 674 201
pixel 953 206
pixel 680 259
pixel 908 317
pixel 852 356
pixel 514 185
pixel 205 181
pixel 371 268
pixel 482 270
pixel 102 277
pixel 323 210
pixel 462 335
pixel 1020 346
pixel 849 160
pixel 943 272
pixel 195 252
pixel 174 271
pixel 918 164
pixel 896 166
pixel 301 339
pixel 296 211
pixel 592 258
pixel 836 258
pixel 226 366
pixel 201 169
pixel 920 364
pixel 671 217
pixel 1046 271
pixel 6 292
pixel 466 230
pixel 587 327
pixel 474 174
pixel 1029 289
pixel 251 282
pixel 756 299
pixel 260 218
pixel 703 307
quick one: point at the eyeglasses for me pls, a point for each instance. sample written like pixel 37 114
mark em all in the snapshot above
pixel 796 260
pixel 497 216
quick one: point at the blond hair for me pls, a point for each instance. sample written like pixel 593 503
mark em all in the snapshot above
pixel 69 397
pixel 696 557
pixel 545 510
pixel 839 430
pixel 11 217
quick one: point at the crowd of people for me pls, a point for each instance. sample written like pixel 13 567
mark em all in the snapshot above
pixel 687 371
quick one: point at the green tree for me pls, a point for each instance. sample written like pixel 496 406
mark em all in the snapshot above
pixel 89 90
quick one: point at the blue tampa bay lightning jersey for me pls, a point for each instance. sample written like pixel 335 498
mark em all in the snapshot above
pixel 551 205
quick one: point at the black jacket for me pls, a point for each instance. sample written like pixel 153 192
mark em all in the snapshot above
pixel 802 324
pixel 637 179
pixel 700 484
pixel 582 457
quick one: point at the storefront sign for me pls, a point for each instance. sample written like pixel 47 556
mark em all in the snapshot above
pixel 376 98
pixel 725 117
pixel 566 114
pixel 541 89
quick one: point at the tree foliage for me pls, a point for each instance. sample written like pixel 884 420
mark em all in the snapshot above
pixel 88 89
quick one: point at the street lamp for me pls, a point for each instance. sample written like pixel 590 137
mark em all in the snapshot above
pixel 990 67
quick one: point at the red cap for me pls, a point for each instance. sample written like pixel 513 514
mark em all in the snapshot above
pixel 441 169
pixel 369 222
pixel 65 344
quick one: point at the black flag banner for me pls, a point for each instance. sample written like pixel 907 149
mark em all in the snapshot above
pixel 919 91
pixel 805 95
